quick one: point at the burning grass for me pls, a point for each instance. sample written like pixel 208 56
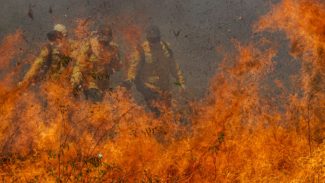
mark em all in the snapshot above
pixel 235 134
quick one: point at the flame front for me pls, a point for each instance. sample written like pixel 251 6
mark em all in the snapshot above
pixel 235 134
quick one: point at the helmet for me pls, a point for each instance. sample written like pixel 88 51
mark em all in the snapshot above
pixel 153 33
pixel 105 34
pixel 107 30
pixel 61 28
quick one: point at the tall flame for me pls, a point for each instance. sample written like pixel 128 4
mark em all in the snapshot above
pixel 235 134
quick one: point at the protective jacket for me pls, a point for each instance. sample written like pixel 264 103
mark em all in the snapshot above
pixel 50 64
pixel 151 66
pixel 95 64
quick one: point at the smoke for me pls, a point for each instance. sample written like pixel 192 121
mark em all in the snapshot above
pixel 234 134
pixel 194 28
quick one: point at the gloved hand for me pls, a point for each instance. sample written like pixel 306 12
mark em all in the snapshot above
pixel 24 83
pixel 20 84
pixel 181 87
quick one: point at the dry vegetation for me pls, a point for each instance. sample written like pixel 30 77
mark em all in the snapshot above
pixel 235 134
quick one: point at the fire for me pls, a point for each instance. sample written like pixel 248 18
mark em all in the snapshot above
pixel 82 28
pixel 303 24
pixel 8 48
pixel 235 134
pixel 9 51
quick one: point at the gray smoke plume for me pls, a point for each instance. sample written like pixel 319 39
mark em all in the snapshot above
pixel 193 27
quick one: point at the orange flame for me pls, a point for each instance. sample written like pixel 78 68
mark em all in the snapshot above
pixel 235 134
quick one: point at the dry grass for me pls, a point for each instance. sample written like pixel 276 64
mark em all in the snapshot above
pixel 235 134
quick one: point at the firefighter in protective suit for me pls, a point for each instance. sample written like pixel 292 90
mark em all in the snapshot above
pixel 51 62
pixel 98 59
pixel 150 68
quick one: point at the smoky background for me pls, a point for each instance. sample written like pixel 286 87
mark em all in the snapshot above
pixel 194 28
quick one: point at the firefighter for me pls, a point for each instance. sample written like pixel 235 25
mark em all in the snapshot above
pixel 150 68
pixel 98 59
pixel 51 62
pixel 67 45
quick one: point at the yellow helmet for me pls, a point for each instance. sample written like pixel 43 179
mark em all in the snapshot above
pixel 61 28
